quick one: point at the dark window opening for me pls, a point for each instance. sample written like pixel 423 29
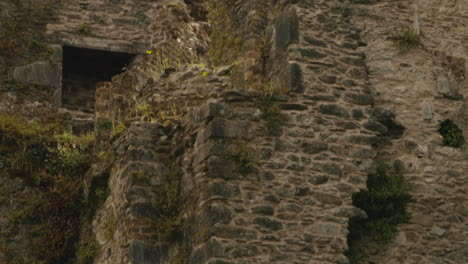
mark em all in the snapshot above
pixel 83 69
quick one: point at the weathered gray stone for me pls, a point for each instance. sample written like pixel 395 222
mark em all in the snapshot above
pixel 221 128
pixel 294 78
pixel 263 210
pixel 359 98
pixel 438 231
pixel 376 127
pixel 448 88
pixel 424 220
pixel 326 198
pixel 427 111
pixel 333 109
pixel 41 73
pixel 349 212
pixel 218 167
pixel 318 179
pixel 272 199
pixel 216 213
pixel 223 189
pixel 210 110
pixel 268 223
pixel 329 79
pixel 329 229
pixel 314 147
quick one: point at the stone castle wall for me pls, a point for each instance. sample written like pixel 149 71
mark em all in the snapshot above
pixel 415 86
pixel 251 193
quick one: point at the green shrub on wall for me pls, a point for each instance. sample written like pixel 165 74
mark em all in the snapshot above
pixel 385 202
pixel 452 135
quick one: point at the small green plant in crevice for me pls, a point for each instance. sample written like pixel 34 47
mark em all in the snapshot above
pixel 452 135
pixel 245 158
pixel 384 202
pixel 84 29
pixel 406 40
pixel 271 111
pixel 111 226
pixel 117 128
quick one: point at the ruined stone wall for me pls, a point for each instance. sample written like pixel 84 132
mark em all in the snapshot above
pixel 109 25
pixel 254 192
pixel 424 87
pixel 293 201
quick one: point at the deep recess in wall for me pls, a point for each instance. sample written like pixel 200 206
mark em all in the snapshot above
pixel 83 69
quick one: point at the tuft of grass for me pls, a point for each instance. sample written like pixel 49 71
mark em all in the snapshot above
pixel 243 156
pixel 406 40
pixel 452 135
pixel 84 29
pixel 271 112
pixel 111 227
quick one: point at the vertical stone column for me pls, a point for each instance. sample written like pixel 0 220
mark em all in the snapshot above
pixel 256 22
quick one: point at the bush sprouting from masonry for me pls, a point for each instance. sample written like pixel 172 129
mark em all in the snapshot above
pixel 452 135
pixel 385 202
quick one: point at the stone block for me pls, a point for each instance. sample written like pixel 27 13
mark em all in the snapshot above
pixel 268 223
pixel 263 210
pixel 223 189
pixel 427 111
pixel 376 127
pixel 448 89
pixel 294 78
pixel 326 198
pixel 41 73
pixel 314 147
pixel 333 109
pixel 359 99
pixel 218 167
pixel 423 220
pixel 329 229
pixel 216 213
pixel 209 110
pixel 208 149
pixel 220 128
